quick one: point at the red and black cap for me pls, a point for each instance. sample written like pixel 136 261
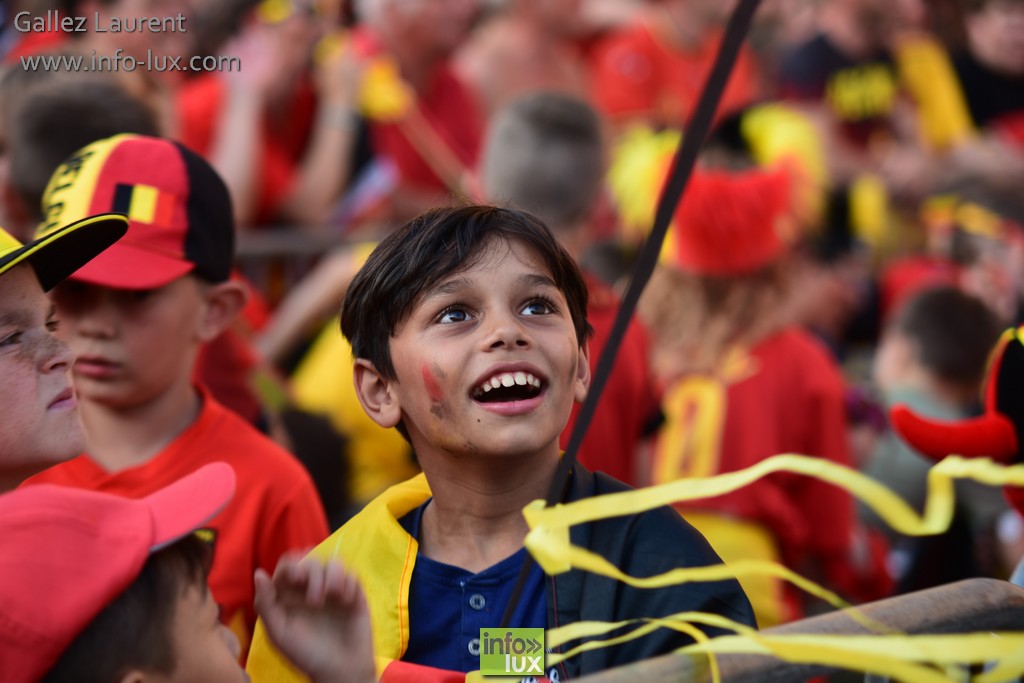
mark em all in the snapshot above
pixel 178 208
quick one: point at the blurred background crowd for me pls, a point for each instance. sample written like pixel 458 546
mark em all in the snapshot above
pixel 853 237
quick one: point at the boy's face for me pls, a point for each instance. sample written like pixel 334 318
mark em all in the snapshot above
pixel 131 346
pixel 501 322
pixel 205 650
pixel 40 421
pixel 997 34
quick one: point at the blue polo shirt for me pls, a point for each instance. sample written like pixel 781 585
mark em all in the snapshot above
pixel 448 605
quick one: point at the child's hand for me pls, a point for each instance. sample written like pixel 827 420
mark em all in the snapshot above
pixel 316 614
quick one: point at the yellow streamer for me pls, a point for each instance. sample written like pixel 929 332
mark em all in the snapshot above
pixel 895 655
pixel 901 657
pixel 549 522
pixel 600 627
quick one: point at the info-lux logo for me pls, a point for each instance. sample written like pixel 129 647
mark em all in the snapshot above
pixel 512 651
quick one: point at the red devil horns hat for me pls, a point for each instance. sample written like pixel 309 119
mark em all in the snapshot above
pixel 998 433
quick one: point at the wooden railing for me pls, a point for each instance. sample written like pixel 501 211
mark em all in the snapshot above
pixel 974 605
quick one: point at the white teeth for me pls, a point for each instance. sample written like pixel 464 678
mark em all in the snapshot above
pixel 509 379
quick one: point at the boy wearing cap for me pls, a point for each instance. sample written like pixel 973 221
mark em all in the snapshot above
pixel 476 352
pixel 40 416
pixel 135 321
pixel 97 588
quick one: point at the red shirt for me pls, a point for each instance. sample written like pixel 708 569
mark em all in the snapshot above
pixel 785 397
pixel 275 507
pixel 635 74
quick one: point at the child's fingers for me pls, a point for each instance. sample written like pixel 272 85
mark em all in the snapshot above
pixel 265 596
pixel 292 574
pixel 334 582
pixel 314 572
pixel 286 565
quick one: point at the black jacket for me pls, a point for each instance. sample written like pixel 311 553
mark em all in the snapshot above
pixel 640 545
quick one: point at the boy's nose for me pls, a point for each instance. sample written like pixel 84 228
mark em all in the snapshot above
pixel 507 331
pixel 54 355
pixel 96 317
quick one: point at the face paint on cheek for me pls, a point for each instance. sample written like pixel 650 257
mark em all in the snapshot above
pixel 434 390
pixel 439 408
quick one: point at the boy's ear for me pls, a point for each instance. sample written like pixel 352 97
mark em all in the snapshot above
pixel 583 373
pixel 376 394
pixel 223 302
pixel 133 676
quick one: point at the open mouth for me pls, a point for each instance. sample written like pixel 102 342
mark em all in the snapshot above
pixel 508 387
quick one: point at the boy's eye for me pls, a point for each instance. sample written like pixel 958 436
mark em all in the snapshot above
pixel 52 325
pixel 11 339
pixel 538 306
pixel 453 314
pixel 134 296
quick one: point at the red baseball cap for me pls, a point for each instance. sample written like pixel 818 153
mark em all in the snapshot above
pixel 729 223
pixel 178 208
pixel 66 553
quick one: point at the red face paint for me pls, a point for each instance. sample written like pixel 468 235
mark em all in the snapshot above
pixel 434 390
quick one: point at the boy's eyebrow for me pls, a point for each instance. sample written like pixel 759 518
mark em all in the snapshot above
pixel 535 280
pixel 14 318
pixel 447 287
pixel 454 285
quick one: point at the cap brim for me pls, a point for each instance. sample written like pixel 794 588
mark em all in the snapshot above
pixel 57 255
pixel 189 503
pixel 127 266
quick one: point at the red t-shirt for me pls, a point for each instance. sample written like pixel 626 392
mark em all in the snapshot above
pixel 635 74
pixel 275 507
pixel 630 400
pixel 786 397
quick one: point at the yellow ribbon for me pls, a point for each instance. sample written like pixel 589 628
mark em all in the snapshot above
pixel 892 654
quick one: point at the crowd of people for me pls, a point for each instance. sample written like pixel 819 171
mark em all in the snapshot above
pixel 485 171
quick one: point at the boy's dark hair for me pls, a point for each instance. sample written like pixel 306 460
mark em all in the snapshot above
pixel 432 246
pixel 56 119
pixel 954 333
pixel 134 631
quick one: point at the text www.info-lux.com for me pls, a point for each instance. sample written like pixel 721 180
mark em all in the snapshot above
pixel 119 61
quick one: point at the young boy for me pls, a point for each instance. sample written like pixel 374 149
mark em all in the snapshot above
pixel 932 358
pixel 96 588
pixel 40 416
pixel 135 320
pixel 469 330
